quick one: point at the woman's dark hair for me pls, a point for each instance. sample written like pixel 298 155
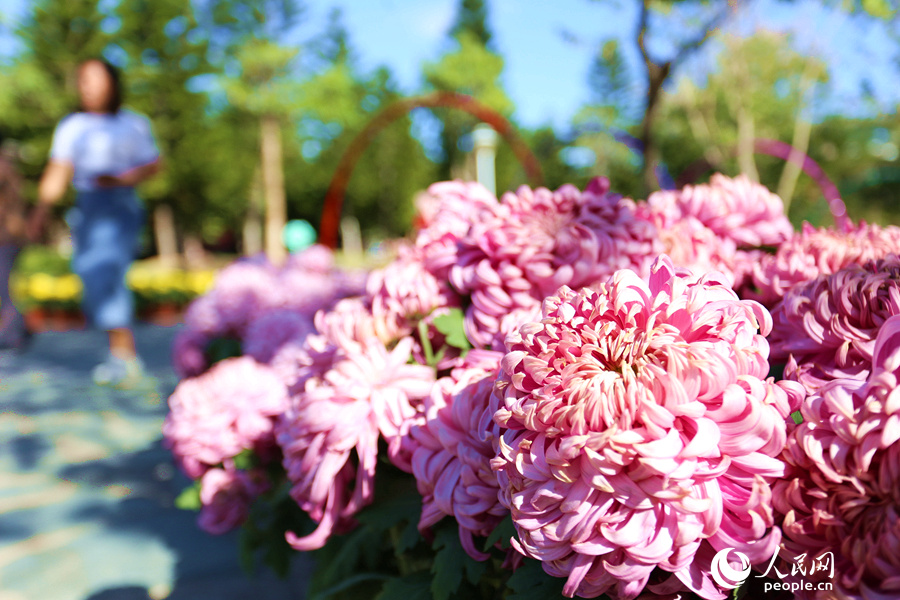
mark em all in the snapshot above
pixel 115 97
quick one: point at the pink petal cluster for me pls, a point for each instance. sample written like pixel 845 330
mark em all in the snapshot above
pixel 353 391
pixel 225 498
pixel 736 208
pixel 708 227
pixel 453 450
pixel 217 415
pixel 446 213
pixel 537 240
pixel 842 490
pixel 641 433
pixel 813 252
pixel 251 297
pixel 189 352
pixel 828 325
pixel 404 292
pixel 270 331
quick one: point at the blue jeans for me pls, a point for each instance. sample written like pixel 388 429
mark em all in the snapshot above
pixel 106 225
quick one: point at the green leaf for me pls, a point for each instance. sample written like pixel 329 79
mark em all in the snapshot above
pixel 449 563
pixel 348 583
pixel 452 325
pixel 248 543
pixel 409 537
pixel 412 587
pixel 798 418
pixel 501 533
pixel 246 460
pixel 221 348
pixel 530 582
pixel 189 498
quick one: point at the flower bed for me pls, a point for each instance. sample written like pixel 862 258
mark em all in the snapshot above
pixel 562 392
pixel 49 295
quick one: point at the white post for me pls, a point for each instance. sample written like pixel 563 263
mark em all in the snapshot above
pixel 484 139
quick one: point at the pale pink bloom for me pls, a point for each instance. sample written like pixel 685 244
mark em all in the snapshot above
pixel 840 494
pixel 202 315
pixel 404 292
pixel 641 433
pixel 737 209
pixel 241 291
pixel 306 292
pixel 189 352
pixel 446 212
pixel 219 414
pixel 268 332
pixel 813 252
pixel 453 450
pixel 367 391
pixel 225 498
pixel 317 258
pixel 538 240
pixel 347 327
pixel 828 325
pixel 708 227
pixel 691 245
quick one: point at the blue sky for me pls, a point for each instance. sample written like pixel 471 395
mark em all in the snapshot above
pixel 546 72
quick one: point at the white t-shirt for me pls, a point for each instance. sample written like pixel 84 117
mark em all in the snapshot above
pixel 103 144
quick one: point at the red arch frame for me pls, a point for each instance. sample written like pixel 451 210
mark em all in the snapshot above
pixel 334 197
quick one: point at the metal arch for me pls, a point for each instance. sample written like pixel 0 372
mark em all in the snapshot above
pixel 334 197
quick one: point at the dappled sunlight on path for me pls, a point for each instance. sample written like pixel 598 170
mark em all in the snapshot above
pixel 87 491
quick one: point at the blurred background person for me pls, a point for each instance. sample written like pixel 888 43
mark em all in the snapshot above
pixel 12 237
pixel 104 151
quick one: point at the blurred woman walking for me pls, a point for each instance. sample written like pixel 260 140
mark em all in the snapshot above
pixel 104 151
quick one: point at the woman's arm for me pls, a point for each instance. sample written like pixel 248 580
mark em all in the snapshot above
pixel 54 183
pixel 131 177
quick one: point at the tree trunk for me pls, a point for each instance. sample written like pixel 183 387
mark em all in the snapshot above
pixel 656 77
pixel 273 187
pixel 252 236
pixel 166 238
pixel 746 143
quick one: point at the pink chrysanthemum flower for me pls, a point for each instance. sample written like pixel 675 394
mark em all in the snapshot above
pixel 404 292
pixel 241 291
pixel 366 392
pixel 842 492
pixel 453 451
pixel 813 252
pixel 228 409
pixel 446 212
pixel 202 315
pixel 641 433
pixel 539 240
pixel 189 352
pixel 737 209
pixel 316 258
pixel 690 244
pixel 828 325
pixel 225 499
pixel 704 227
pixel 270 331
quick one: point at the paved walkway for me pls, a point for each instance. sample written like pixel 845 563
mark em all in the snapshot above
pixel 87 491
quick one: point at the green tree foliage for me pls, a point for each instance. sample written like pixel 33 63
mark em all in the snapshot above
pixel 472 19
pixel 715 125
pixel 335 104
pixel 471 68
pixel 165 55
